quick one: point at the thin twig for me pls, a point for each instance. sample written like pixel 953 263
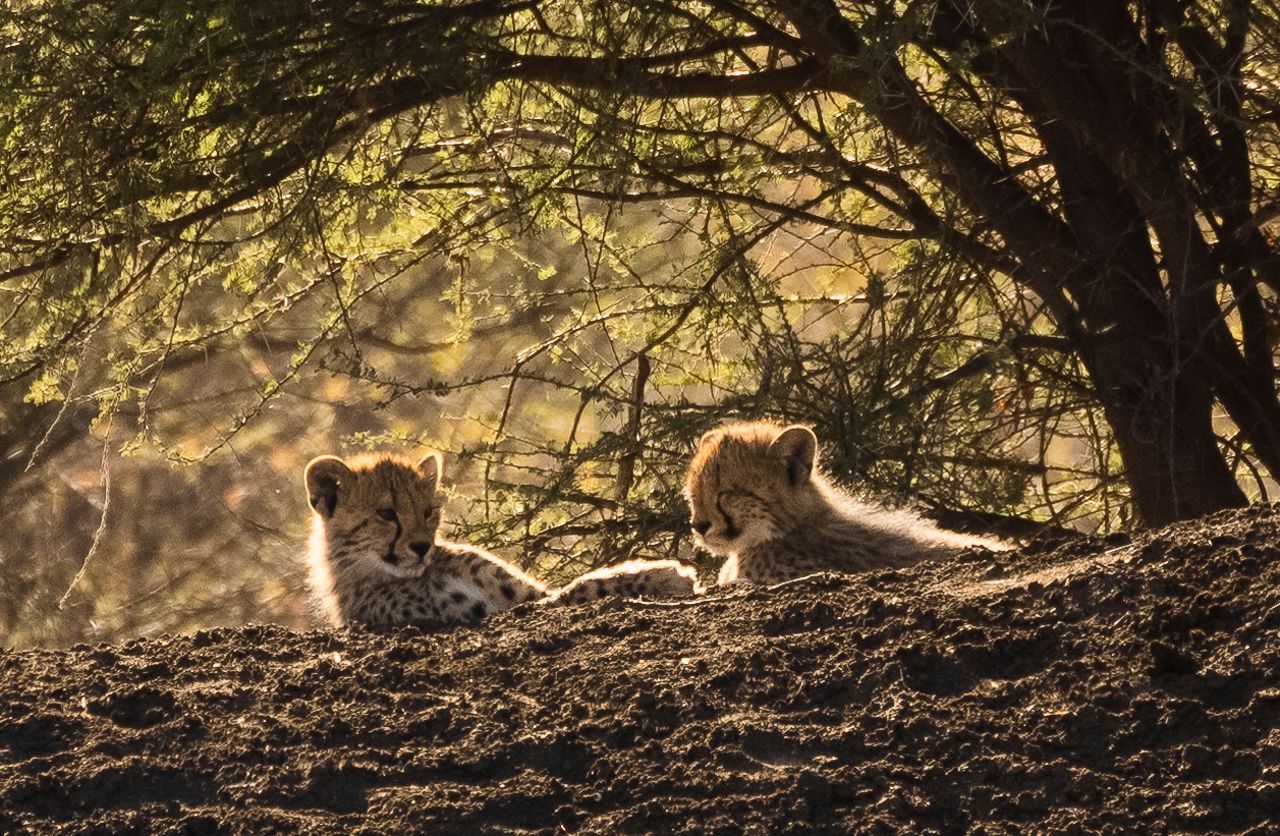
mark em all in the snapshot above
pixel 102 519
pixel 627 462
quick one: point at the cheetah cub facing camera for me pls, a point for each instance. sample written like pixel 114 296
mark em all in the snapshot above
pixel 756 497
pixel 376 558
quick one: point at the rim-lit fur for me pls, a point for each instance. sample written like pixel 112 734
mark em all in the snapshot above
pixel 376 557
pixel 757 497
pixel 350 541
pixel 639 578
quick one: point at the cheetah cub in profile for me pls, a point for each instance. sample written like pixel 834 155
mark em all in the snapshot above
pixel 756 497
pixel 376 559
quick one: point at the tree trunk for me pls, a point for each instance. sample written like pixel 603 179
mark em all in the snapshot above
pixel 1162 420
pixel 1142 340
pixel 1152 378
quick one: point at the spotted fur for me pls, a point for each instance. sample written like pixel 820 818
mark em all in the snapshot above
pixel 376 557
pixel 635 578
pixel 757 498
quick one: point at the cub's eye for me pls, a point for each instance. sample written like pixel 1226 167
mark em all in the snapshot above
pixel 429 513
pixel 387 514
pixel 728 519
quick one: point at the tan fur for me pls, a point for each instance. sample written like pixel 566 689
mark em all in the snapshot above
pixel 637 578
pixel 755 492
pixel 376 557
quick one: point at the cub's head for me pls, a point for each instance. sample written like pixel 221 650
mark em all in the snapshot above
pixel 378 513
pixel 749 483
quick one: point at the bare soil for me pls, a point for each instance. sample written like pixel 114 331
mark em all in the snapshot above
pixel 1091 686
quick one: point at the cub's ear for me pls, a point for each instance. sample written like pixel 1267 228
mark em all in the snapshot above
pixel 429 468
pixel 327 477
pixel 796 448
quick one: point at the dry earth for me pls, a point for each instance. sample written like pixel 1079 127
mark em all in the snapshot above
pixel 1091 687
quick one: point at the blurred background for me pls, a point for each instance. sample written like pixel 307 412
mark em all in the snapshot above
pixel 531 362
pixel 559 241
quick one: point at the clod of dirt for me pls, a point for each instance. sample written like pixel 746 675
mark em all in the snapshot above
pixel 1094 685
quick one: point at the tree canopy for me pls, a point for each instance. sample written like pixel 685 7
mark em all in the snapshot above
pixel 1011 256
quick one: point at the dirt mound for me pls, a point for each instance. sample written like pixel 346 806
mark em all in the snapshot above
pixel 1091 686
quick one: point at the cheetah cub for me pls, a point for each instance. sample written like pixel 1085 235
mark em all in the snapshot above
pixel 376 558
pixel 756 498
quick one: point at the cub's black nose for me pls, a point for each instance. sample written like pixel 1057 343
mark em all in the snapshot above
pixel 702 527
pixel 420 548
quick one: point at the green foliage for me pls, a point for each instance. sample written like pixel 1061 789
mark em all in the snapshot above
pixel 241 235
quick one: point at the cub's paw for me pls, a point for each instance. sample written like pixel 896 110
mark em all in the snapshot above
pixel 634 579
